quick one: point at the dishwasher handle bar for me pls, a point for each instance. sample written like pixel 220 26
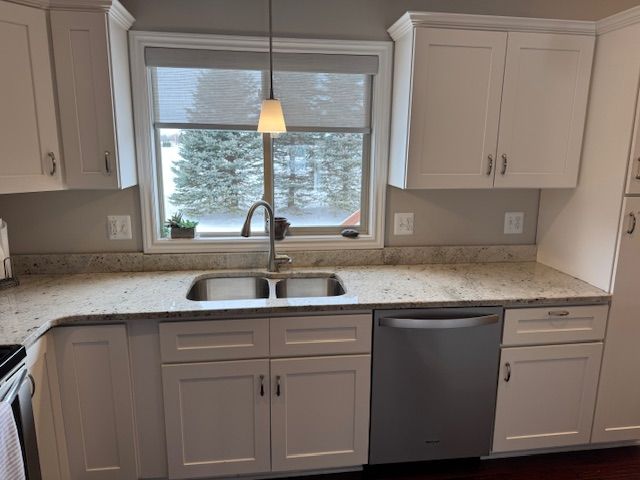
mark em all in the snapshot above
pixel 438 323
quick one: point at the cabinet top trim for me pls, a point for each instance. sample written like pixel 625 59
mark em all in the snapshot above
pixel 112 7
pixel 410 20
pixel 618 20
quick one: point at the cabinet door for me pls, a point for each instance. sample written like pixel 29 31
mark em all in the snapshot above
pixel 97 405
pixel 633 181
pixel 320 412
pixel 47 410
pixel 618 410
pixel 217 418
pixel 546 396
pixel 544 101
pixel 81 51
pixel 457 82
pixel 28 129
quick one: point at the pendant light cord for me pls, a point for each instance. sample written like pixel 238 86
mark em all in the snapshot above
pixel 270 53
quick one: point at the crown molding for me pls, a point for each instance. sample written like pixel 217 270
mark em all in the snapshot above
pixel 618 20
pixel 113 7
pixel 410 20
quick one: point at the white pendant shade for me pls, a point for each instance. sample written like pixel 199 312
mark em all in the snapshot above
pixel 271 117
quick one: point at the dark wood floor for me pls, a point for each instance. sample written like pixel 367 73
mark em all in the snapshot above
pixel 607 464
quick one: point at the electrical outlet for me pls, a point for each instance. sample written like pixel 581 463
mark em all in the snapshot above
pixel 119 227
pixel 403 224
pixel 513 223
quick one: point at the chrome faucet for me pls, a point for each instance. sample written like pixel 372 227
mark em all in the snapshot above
pixel 274 259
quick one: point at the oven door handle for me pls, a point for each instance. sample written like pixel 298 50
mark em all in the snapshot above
pixel 432 323
pixel 12 393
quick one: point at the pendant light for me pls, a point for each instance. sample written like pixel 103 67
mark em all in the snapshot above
pixel 271 116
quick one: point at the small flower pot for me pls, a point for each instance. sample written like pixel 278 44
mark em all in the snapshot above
pixel 177 232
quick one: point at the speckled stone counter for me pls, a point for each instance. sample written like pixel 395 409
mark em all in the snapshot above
pixel 44 301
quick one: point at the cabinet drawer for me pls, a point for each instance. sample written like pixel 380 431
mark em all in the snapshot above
pixel 214 340
pixel 529 326
pixel 321 335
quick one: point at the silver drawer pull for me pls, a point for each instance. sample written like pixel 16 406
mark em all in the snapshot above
pixel 490 165
pixel 429 323
pixel 507 374
pixel 559 313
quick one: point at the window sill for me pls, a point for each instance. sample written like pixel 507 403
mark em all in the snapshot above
pixel 261 243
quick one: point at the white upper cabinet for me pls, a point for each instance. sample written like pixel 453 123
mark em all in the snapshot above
pixel 544 101
pixel 633 182
pixel 487 107
pixel 445 128
pixel 29 148
pixel 92 71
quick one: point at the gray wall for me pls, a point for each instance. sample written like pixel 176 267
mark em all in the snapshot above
pixel 76 221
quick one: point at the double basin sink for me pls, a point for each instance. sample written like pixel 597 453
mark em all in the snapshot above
pixel 263 286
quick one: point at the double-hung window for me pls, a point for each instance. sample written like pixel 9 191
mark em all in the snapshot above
pixel 206 160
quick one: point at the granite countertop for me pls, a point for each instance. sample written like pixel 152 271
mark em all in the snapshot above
pixel 44 301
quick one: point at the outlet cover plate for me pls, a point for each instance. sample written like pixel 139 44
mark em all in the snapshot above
pixel 119 227
pixel 403 224
pixel 513 223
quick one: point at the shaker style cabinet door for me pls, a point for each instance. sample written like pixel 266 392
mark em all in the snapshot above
pixel 29 149
pixel 618 410
pixel 455 108
pixel 217 418
pixel 97 404
pixel 544 101
pixel 546 396
pixel 320 412
pixel 92 68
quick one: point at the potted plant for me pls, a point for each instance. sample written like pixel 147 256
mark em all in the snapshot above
pixel 181 227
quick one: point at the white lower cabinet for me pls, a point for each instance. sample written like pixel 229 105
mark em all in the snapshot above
pixel 546 396
pixel 217 418
pixel 320 412
pixel 97 403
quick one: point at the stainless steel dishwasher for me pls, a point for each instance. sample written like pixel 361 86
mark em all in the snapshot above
pixel 434 382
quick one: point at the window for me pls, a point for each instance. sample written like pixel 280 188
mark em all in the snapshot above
pixel 205 158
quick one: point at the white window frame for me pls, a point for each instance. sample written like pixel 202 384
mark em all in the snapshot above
pixel 145 140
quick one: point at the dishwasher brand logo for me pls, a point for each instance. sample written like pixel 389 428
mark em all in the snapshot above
pixel 432 442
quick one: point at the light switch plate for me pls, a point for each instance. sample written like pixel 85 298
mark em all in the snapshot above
pixel 403 224
pixel 119 227
pixel 513 223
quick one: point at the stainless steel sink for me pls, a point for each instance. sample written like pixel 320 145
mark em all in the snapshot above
pixel 229 288
pixel 300 287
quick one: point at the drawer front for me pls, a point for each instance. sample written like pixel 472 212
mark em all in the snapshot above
pixel 530 326
pixel 321 335
pixel 214 340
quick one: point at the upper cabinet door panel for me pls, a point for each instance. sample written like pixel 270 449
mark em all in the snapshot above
pixel 457 83
pixel 546 87
pixel 28 130
pixel 633 182
pixel 81 51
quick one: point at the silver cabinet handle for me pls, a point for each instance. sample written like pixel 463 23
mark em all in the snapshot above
pixel 505 161
pixel 559 313
pixel 638 169
pixel 432 323
pixel 33 384
pixel 632 223
pixel 262 385
pixel 490 165
pixel 507 373
pixel 278 385
pixel 107 162
pixel 54 164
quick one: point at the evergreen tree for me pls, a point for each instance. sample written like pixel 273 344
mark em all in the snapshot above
pixel 220 170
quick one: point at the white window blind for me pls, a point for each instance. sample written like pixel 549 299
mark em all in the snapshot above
pixel 224 89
